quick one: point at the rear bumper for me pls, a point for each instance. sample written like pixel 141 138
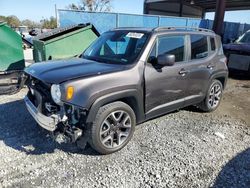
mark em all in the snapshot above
pixel 48 123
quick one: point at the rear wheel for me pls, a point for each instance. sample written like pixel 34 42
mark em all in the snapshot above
pixel 113 128
pixel 213 97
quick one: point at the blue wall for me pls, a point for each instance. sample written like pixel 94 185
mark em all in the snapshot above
pixel 231 30
pixel 106 21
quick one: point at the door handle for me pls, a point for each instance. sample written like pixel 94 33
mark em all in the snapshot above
pixel 183 72
pixel 210 66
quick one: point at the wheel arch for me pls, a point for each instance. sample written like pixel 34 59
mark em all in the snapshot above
pixel 222 80
pixel 222 77
pixel 131 97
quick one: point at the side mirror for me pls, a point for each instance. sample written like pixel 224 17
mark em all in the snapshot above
pixel 166 59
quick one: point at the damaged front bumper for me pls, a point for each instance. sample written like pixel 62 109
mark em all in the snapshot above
pixel 61 132
pixel 48 123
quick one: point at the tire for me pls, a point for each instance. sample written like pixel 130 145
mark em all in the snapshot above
pixel 213 97
pixel 112 128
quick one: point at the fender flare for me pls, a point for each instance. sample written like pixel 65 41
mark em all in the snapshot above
pixel 221 74
pixel 138 107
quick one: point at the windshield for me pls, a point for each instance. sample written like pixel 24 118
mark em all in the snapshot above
pixel 121 47
pixel 244 38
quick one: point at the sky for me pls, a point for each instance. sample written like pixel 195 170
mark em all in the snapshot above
pixel 234 16
pixel 40 9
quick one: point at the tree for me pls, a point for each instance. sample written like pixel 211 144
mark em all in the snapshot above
pixel 13 21
pixel 2 18
pixel 72 7
pixel 49 23
pixel 92 5
pixel 31 24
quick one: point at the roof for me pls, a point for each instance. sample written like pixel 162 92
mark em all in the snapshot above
pixel 135 29
pixel 210 5
pixel 190 8
pixel 165 29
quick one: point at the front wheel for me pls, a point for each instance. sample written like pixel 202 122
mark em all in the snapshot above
pixel 113 128
pixel 213 97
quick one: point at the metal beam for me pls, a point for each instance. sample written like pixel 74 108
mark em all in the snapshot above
pixel 219 16
pixel 181 8
pixel 207 5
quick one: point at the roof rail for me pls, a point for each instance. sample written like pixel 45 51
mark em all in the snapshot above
pixel 185 28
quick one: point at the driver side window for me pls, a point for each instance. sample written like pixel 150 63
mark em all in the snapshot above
pixel 174 45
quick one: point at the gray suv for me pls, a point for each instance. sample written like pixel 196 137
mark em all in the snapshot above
pixel 126 77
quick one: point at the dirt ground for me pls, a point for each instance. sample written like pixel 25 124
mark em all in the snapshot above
pixel 236 99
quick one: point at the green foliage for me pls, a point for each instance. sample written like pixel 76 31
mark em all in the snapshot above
pixel 12 20
pixel 31 24
pixel 92 5
pixel 49 23
pixel 2 18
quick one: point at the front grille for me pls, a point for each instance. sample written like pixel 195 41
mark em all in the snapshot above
pixel 39 94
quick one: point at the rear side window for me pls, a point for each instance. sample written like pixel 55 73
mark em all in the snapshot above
pixel 172 45
pixel 199 46
pixel 212 42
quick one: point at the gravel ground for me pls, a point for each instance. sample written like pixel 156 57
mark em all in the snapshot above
pixel 182 149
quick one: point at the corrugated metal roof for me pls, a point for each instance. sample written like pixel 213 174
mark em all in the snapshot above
pixel 208 5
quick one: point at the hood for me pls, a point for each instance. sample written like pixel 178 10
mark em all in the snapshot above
pixel 243 47
pixel 55 72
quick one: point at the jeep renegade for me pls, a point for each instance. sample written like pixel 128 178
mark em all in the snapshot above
pixel 127 76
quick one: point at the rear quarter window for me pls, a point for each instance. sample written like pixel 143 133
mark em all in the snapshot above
pixel 212 43
pixel 199 46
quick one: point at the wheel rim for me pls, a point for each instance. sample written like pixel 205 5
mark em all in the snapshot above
pixel 115 129
pixel 214 96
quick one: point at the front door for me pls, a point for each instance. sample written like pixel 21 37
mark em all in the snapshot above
pixel 165 86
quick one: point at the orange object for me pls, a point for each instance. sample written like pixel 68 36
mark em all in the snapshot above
pixel 70 93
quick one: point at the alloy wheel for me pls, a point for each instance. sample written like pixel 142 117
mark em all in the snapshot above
pixel 115 129
pixel 215 96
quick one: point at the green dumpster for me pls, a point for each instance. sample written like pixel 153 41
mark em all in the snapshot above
pixel 63 42
pixel 11 50
pixel 11 60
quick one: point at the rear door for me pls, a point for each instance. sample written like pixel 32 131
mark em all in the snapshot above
pixel 199 68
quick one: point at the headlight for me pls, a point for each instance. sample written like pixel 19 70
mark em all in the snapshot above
pixel 56 93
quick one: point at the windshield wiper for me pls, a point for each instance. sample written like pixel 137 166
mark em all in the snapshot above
pixel 96 59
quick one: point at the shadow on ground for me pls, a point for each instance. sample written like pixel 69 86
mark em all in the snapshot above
pixel 19 131
pixel 236 173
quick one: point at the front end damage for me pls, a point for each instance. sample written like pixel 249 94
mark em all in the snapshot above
pixel 65 121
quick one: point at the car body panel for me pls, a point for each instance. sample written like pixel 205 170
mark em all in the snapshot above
pixel 56 72
pixel 238 54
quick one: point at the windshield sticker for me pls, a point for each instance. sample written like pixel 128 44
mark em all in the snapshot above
pixel 135 35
